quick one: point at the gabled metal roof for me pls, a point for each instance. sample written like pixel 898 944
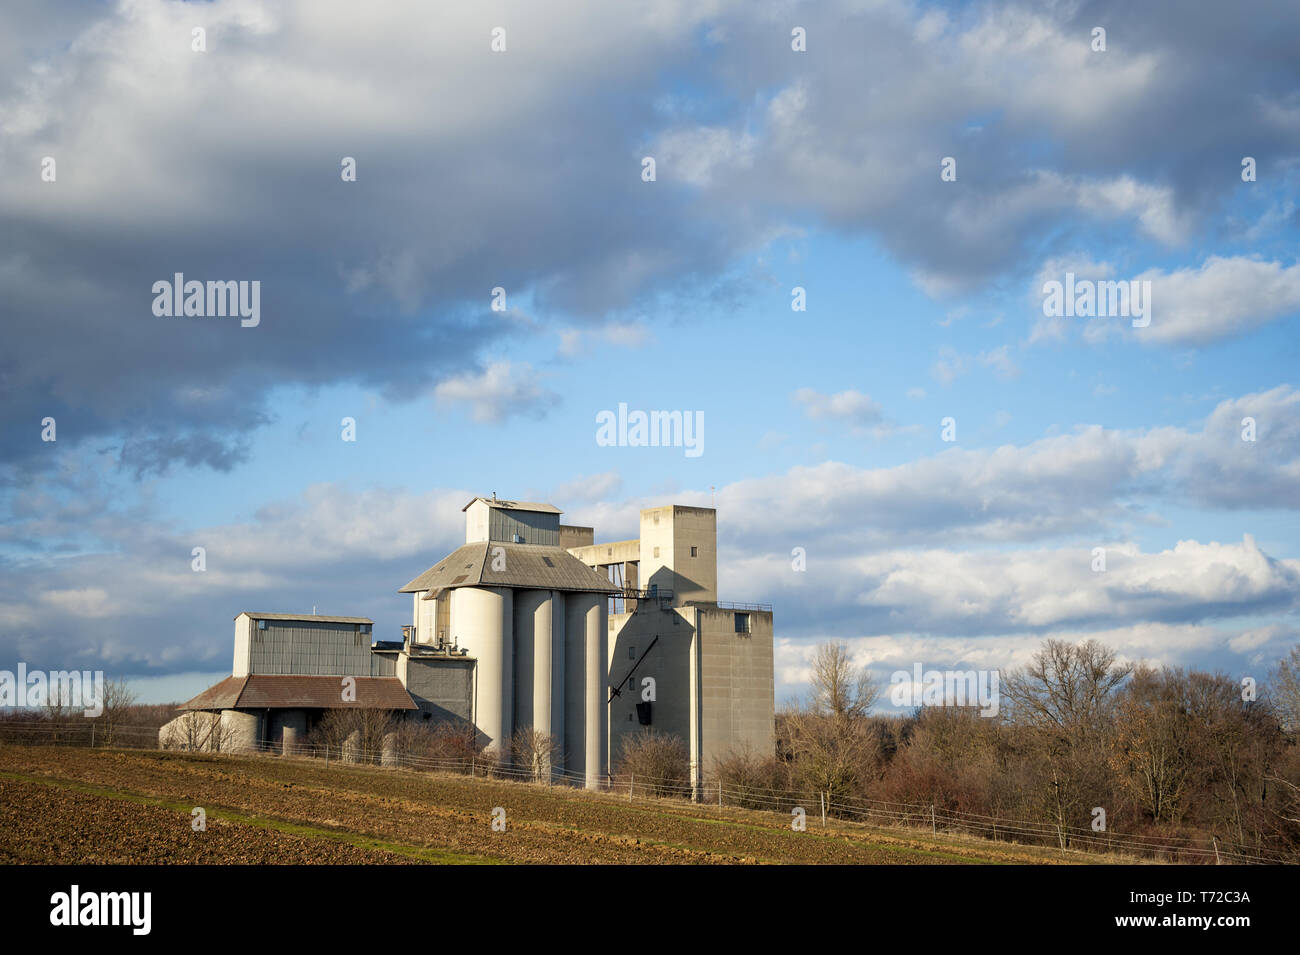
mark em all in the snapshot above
pixel 304 617
pixel 516 505
pixel 530 566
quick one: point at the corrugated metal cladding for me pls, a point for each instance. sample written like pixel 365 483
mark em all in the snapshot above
pixel 533 527
pixel 383 664
pixel 316 649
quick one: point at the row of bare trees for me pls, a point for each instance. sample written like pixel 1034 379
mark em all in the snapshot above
pixel 1163 752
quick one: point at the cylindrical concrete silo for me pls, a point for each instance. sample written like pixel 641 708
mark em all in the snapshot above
pixel 529 605
pixel 575 685
pixel 586 639
pixel 482 618
pixel 548 668
pixel 539 662
pixel 240 731
pixel 290 727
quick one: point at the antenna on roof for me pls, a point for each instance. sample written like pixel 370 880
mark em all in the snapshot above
pixel 313 610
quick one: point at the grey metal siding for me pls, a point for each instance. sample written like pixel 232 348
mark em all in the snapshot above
pixel 534 528
pixel 383 664
pixel 317 649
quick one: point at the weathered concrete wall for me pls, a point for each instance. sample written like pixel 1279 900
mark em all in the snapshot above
pixel 738 683
pixel 667 663
pixel 243 645
pixel 196 731
pixel 667 536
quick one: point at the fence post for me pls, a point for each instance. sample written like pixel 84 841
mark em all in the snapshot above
pixel 631 781
pixel 92 735
pixel 934 829
pixel 823 799
pixel 1216 850
pixel 719 793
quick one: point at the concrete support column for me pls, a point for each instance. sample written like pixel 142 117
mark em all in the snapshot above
pixel 697 706
pixel 292 725
pixel 388 756
pixel 352 747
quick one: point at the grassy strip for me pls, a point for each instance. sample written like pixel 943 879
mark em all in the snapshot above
pixel 427 855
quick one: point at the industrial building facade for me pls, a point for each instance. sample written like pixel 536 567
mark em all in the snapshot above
pixel 530 625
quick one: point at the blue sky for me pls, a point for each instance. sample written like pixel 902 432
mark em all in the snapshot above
pixel 776 169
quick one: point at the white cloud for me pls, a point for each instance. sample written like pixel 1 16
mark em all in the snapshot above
pixel 1224 298
pixel 499 391
pixel 850 406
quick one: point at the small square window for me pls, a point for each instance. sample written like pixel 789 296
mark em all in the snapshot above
pixel 656 551
pixel 631 653
pixel 742 623
pixel 695 551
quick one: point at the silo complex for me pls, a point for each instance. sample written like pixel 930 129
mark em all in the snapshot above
pixel 533 618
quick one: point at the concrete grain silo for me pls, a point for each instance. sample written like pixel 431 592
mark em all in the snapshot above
pixel 534 620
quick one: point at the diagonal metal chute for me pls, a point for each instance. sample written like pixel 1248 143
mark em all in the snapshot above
pixel 614 690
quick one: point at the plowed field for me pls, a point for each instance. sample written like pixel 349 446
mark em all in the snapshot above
pixel 112 806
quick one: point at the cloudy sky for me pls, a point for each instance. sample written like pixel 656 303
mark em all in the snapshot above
pixel 776 169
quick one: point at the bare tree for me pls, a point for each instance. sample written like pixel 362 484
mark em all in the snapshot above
pixel 839 688
pixel 656 763
pixel 1064 700
pixel 355 732
pixel 1285 691
pixel 117 702
pixel 534 752
pixel 195 731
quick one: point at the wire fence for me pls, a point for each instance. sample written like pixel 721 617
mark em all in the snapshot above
pixel 1067 839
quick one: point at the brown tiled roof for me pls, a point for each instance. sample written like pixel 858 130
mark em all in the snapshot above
pixel 264 691
pixel 220 697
